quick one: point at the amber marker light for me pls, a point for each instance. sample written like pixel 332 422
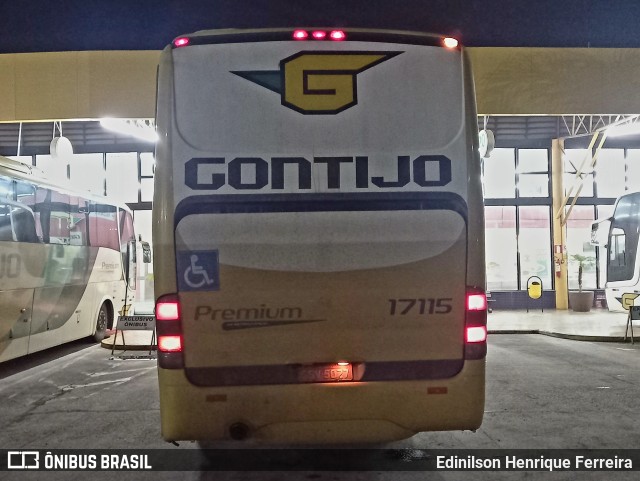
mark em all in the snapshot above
pixel 450 42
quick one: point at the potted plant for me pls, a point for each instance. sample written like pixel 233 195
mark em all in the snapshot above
pixel 581 301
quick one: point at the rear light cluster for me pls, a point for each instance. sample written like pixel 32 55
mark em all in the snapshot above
pixel 475 346
pixel 169 328
pixel 335 35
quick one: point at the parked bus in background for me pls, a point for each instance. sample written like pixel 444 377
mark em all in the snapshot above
pixel 623 263
pixel 64 262
pixel 318 237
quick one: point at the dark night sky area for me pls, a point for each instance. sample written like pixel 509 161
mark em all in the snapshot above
pixel 39 26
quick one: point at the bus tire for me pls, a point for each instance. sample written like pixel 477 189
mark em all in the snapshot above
pixel 102 322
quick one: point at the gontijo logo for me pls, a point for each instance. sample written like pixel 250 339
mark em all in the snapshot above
pixel 318 82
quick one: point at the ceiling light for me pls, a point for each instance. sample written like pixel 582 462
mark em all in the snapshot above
pixel 140 129
pixel 623 129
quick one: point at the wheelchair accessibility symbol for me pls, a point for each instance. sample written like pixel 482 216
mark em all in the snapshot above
pixel 198 271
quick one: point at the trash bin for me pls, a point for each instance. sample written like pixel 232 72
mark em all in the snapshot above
pixel 534 287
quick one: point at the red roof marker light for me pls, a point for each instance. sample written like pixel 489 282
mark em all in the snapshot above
pixel 181 42
pixel 319 34
pixel 337 35
pixel 300 34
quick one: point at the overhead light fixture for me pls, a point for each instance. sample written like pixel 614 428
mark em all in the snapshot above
pixel 623 129
pixel 140 129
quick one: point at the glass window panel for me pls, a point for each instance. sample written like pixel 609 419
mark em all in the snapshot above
pixel 143 223
pixel 499 174
pixel 534 242
pixel 147 163
pixel 633 170
pixel 533 160
pixel 587 186
pixel 610 173
pixel 122 177
pixel 573 160
pixel 146 190
pixel 579 247
pixel 533 185
pixel 54 169
pixel 87 172
pixel 501 248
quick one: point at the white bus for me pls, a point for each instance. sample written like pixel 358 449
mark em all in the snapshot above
pixel 318 237
pixel 63 262
pixel 623 262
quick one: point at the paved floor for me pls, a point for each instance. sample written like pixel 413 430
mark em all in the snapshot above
pixel 597 325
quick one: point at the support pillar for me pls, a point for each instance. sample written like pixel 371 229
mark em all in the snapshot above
pixel 559 229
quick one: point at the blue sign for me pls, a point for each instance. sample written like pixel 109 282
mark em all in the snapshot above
pixel 198 271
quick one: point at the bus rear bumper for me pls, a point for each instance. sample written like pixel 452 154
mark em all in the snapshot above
pixel 321 413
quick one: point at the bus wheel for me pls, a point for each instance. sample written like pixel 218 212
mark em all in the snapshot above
pixel 101 323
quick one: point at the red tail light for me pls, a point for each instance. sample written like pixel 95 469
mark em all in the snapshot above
pixel 476 302
pixel 168 310
pixel 475 333
pixel 169 329
pixel 170 344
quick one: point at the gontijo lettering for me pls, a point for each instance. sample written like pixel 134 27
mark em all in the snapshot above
pixel 255 173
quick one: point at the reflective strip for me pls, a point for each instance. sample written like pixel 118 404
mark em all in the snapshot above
pixel 288 374
pixel 253 203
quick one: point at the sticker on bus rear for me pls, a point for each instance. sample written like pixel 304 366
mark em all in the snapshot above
pixel 198 270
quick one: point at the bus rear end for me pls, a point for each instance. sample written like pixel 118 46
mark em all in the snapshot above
pixel 623 262
pixel 318 235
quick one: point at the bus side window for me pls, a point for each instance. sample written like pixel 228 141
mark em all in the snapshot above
pixel 17 224
pixel 6 189
pixel 42 213
pixel 103 227
pixel 79 232
pixel 24 225
pixel 60 219
pixel 617 248
pixel 6 232
pixel 126 229
pixel 26 221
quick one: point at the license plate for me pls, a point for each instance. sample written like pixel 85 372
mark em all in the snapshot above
pixel 326 373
